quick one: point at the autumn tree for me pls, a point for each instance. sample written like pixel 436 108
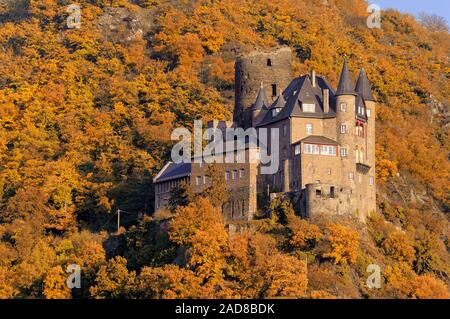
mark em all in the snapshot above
pixel 280 210
pixel 168 282
pixel 199 229
pixel 433 22
pixel 258 270
pixel 304 234
pixel 114 280
pixel 181 195
pixel 398 246
pixel 429 287
pixel 344 244
pixel 55 286
pixel 216 192
pixel 285 277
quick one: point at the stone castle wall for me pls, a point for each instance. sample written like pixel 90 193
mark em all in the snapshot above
pixel 322 199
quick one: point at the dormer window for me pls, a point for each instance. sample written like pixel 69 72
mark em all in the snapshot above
pixel 275 112
pixel 309 108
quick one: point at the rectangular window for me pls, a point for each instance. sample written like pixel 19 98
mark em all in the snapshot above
pixel 343 151
pixel 227 175
pixel 371 181
pixel 328 150
pixel 284 130
pixel 344 107
pixel 274 112
pixel 235 174
pixel 274 90
pixel 343 129
pixel 312 149
pixel 309 128
pixel 205 180
pixel 368 112
pixel 310 108
pixel 297 149
pixel 329 171
pixel 241 173
pixel 198 180
pixel 350 176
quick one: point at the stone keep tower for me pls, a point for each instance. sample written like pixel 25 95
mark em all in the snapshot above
pixel 271 70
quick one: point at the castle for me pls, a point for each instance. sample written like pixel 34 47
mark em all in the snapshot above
pixel 326 142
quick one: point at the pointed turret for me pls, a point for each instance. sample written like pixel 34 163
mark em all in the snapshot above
pixel 261 99
pixel 345 86
pixel 260 106
pixel 279 102
pixel 363 86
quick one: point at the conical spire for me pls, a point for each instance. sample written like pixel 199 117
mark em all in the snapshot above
pixel 345 86
pixel 261 99
pixel 279 102
pixel 363 86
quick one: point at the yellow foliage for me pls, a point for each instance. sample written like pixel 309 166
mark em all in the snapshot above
pixel 398 246
pixel 55 286
pixel 344 244
pixel 304 234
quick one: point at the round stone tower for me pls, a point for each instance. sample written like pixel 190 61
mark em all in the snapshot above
pixel 345 126
pixel 272 70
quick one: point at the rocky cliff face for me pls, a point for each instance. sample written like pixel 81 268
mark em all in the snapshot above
pixel 123 25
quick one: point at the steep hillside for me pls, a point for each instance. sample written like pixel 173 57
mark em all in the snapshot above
pixel 85 122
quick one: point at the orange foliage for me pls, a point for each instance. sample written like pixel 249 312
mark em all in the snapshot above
pixel 344 244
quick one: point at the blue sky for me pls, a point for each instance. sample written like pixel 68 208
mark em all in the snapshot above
pixel 439 7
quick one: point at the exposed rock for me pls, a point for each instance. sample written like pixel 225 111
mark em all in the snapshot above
pixel 124 25
pixel 439 111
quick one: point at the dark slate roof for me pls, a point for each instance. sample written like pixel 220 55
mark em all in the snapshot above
pixel 173 171
pixel 317 139
pixel 300 91
pixel 363 86
pixel 345 86
pixel 261 100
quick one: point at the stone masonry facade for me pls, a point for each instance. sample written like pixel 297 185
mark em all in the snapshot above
pixel 326 142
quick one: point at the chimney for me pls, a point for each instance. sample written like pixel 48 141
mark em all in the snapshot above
pixel 326 100
pixel 313 78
